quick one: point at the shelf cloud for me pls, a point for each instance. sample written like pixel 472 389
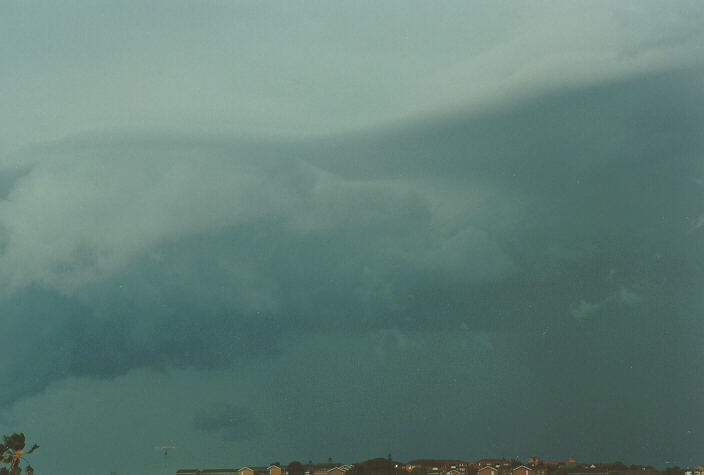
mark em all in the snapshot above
pixel 306 230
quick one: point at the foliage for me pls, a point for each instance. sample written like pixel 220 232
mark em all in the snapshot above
pixel 617 466
pixel 12 453
pixel 377 466
pixel 419 470
pixel 295 468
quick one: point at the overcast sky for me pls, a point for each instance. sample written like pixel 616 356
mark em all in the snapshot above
pixel 268 231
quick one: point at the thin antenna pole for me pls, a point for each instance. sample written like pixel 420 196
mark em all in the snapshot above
pixel 165 448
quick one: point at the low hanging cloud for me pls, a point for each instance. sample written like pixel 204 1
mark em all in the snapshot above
pixel 83 216
pixel 153 256
pixel 344 224
pixel 228 421
pixel 459 249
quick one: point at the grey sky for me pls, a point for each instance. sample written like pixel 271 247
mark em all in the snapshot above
pixel 275 231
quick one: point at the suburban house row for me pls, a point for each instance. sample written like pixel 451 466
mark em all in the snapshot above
pixel 520 470
pixel 501 466
pixel 321 469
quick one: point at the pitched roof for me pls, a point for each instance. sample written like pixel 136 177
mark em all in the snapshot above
pixel 492 462
pixel 325 465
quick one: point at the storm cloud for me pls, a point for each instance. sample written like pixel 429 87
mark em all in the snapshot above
pixel 269 266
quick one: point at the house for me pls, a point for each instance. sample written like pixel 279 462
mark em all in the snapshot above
pixel 340 470
pixel 522 470
pixel 493 462
pixel 218 471
pixel 439 465
pixel 334 468
pixel 188 471
pixel 246 471
pixel 270 470
pixel 488 470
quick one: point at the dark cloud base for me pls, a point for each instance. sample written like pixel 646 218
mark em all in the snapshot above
pixel 582 263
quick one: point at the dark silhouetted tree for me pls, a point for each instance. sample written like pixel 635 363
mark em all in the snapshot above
pixel 12 453
pixel 377 466
pixel 295 468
